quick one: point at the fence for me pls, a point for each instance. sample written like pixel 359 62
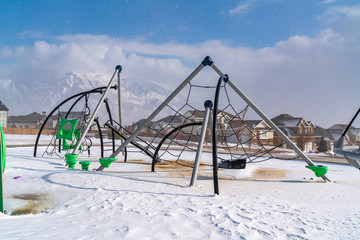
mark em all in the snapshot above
pixel 27 131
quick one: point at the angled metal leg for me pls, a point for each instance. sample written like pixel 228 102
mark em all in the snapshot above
pixel 117 70
pixel 273 126
pixel 208 105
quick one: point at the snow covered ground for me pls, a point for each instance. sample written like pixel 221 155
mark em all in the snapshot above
pixel 275 199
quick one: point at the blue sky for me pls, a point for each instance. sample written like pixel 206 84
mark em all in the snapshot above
pixel 247 23
pixel 300 57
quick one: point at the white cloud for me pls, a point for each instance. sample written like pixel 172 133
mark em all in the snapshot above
pixel 328 1
pixel 242 8
pixel 336 13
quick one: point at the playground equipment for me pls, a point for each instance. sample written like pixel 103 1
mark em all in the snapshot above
pixel 351 152
pixel 72 122
pixel 2 167
pixel 179 127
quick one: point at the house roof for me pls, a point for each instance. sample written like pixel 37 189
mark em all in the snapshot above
pixel 339 126
pixel 200 114
pixel 251 123
pixel 336 131
pixel 3 107
pixel 286 120
pixel 196 113
pixel 171 118
pixel 30 118
pixel 289 131
pixel 325 133
pixel 72 115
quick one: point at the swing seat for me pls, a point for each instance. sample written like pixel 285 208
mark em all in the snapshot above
pixel 66 133
pixel 239 163
pixel 319 170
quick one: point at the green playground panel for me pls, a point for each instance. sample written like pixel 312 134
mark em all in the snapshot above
pixel 66 146
pixel 2 167
pixel 66 133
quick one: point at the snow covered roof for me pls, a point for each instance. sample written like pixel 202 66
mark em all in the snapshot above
pixel 251 123
pixel 325 133
pixel 171 118
pixel 286 120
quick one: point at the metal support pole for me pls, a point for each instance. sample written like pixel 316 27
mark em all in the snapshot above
pixel 119 106
pixel 208 105
pixel 273 126
pixel 117 70
pixel 156 112
pixel 352 157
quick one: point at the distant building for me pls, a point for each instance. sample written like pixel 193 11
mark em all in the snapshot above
pixel 3 114
pixel 352 137
pixel 326 135
pixel 32 120
pixel 298 130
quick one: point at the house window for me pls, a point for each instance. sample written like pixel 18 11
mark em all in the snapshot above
pixel 300 130
pixel 263 134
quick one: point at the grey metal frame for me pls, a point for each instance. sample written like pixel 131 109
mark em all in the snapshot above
pixel 349 153
pixel 119 108
pixel 208 106
pixel 76 149
pixel 208 61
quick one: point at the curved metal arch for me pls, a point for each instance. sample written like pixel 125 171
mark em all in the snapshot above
pixel 154 158
pixel 82 94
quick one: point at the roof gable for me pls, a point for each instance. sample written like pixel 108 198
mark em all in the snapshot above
pixel 3 107
pixel 286 120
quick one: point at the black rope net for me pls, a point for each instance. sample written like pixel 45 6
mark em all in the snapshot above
pixel 174 136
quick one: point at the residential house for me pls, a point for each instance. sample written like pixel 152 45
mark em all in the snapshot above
pixel 264 133
pixel 326 135
pixel 241 131
pixel 352 137
pixel 168 123
pixel 32 120
pixel 223 119
pixel 3 115
pixel 298 130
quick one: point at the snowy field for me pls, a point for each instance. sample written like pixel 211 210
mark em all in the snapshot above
pixel 275 199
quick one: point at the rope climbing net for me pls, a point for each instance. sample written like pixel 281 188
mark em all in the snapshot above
pixel 175 135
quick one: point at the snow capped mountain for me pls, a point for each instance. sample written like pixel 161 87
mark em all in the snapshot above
pixel 139 97
pixel 9 92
